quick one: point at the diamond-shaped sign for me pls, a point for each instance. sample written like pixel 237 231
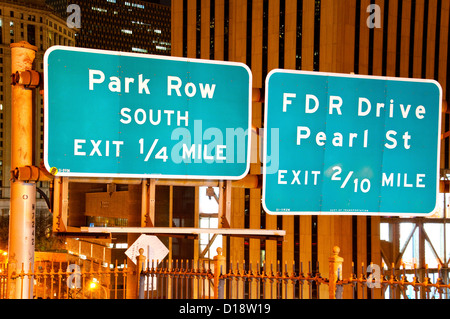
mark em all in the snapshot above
pixel 154 249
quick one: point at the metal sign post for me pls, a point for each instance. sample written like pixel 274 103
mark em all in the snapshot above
pixel 23 193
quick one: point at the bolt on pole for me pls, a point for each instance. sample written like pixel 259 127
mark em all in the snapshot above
pixel 23 194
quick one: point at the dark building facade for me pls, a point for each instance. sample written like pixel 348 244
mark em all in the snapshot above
pixel 400 38
pixel 131 26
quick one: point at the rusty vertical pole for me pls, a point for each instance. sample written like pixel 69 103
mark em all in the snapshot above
pixel 23 194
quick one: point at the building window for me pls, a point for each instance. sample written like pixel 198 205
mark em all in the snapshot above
pixel 31 34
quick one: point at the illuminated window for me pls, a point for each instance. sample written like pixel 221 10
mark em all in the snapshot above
pixel 139 50
pixel 99 9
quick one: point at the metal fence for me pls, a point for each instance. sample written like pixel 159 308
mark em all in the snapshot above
pixel 60 280
pixel 180 279
pixel 273 281
pixel 400 283
pixel 217 278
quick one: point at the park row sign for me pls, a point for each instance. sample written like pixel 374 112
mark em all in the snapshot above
pixel 333 143
pixel 121 114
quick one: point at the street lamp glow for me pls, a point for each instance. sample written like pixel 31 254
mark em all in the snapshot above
pixel 93 283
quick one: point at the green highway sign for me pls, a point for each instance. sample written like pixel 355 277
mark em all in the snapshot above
pixel 119 114
pixel 350 144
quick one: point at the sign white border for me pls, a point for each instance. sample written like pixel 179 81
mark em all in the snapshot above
pixel 147 56
pixel 369 77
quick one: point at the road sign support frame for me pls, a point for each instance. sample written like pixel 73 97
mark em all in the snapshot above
pixel 190 232
pixel 148 203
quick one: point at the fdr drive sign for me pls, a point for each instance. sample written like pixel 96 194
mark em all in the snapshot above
pixel 347 144
pixel 132 115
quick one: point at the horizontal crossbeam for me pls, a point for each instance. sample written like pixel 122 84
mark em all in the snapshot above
pixel 190 231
